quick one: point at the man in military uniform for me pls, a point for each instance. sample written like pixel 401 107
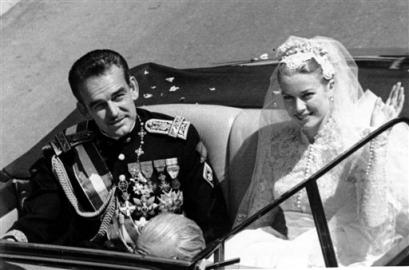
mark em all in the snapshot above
pixel 118 169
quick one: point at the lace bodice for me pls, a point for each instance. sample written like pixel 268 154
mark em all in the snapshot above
pixel 293 159
pixel 290 158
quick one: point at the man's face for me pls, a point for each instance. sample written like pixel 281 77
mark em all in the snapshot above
pixel 109 100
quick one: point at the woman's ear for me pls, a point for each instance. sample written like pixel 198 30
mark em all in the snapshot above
pixel 331 84
pixel 330 88
pixel 134 87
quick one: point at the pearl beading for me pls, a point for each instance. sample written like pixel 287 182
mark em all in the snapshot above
pixel 307 171
pixel 310 158
pixel 371 157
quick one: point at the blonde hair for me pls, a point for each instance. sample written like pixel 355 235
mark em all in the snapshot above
pixel 171 228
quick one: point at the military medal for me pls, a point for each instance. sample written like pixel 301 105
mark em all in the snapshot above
pixel 173 168
pixel 160 165
pixel 127 209
pixel 164 186
pixel 208 174
pixel 147 169
pixel 142 133
pixel 139 152
pixel 134 169
pixel 123 187
pixel 175 184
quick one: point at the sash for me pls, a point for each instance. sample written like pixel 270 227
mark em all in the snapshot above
pixel 92 174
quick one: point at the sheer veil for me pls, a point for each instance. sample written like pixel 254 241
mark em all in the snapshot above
pixel 350 111
pixel 347 92
pixel 337 60
pixel 349 119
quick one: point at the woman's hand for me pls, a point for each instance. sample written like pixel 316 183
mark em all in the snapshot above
pixel 384 112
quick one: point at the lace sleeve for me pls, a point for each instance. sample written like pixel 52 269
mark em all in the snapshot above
pixel 372 187
pixel 375 213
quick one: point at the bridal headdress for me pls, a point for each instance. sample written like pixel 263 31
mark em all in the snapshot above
pixel 296 52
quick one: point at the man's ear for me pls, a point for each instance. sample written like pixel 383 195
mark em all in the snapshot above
pixel 133 84
pixel 83 110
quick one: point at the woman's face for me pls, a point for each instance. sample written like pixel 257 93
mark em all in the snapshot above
pixel 307 99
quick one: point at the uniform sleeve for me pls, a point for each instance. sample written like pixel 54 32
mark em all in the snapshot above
pixel 203 198
pixel 40 219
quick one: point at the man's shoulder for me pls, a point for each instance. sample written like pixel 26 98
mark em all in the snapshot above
pixel 176 127
pixel 148 114
pixel 68 138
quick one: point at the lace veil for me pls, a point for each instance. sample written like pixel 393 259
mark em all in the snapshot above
pixel 336 63
pixel 349 110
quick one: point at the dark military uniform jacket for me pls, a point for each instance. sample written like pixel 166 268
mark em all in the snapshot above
pixel 154 169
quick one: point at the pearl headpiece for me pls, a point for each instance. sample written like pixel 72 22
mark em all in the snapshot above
pixel 294 53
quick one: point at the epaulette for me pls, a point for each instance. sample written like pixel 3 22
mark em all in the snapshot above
pixel 65 140
pixel 176 128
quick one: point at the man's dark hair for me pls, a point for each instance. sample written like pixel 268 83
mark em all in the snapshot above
pixel 95 63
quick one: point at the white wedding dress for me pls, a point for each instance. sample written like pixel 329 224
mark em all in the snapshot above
pixel 365 197
pixel 366 205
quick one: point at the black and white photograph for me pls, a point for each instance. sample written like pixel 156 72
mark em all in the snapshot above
pixel 204 134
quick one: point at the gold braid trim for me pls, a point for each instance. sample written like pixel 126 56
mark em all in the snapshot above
pixel 109 213
pixel 62 176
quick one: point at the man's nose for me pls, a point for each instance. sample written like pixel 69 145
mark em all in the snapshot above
pixel 299 105
pixel 113 109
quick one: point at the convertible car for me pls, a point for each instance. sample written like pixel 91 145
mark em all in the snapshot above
pixel 224 103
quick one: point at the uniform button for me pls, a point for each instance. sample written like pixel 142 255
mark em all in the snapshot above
pixel 121 156
pixel 128 139
pixel 122 177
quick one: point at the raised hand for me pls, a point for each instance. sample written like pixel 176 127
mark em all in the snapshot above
pixel 384 112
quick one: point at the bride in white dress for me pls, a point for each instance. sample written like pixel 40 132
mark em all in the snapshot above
pixel 314 110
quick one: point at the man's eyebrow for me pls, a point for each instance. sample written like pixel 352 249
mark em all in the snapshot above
pixel 307 90
pixel 119 91
pixel 93 103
